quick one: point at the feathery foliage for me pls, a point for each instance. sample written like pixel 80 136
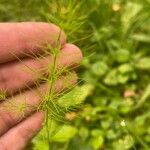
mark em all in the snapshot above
pixel 114 36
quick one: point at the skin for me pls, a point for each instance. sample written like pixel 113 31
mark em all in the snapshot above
pixel 20 39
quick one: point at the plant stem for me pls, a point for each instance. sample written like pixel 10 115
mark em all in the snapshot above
pixel 50 92
pixel 47 130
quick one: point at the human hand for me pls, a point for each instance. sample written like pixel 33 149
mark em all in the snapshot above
pixel 18 40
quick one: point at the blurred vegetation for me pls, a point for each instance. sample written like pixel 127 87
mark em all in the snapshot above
pixel 114 36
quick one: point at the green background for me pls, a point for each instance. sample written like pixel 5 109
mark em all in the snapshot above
pixel 114 36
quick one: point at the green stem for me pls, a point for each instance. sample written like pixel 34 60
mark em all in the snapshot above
pixel 47 130
pixel 50 92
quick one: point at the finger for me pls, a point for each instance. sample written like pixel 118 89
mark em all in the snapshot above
pixel 19 75
pixel 18 39
pixel 15 109
pixel 17 137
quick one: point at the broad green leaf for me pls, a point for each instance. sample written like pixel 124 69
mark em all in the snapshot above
pixel 141 37
pixel 122 78
pixel 99 68
pixel 124 144
pixel 64 134
pixel 84 133
pixel 76 96
pixel 122 55
pixel 97 142
pixel 111 134
pixel 105 123
pixel 111 78
pixel 40 145
pixel 143 63
pixel 125 68
pixel 96 132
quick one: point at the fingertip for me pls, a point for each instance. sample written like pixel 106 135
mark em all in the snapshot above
pixel 59 32
pixel 17 137
pixel 73 51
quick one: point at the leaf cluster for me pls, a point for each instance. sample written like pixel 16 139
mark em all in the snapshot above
pixel 115 37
